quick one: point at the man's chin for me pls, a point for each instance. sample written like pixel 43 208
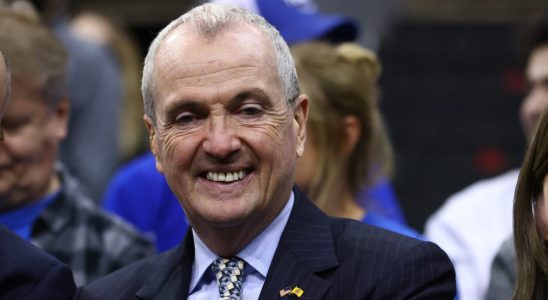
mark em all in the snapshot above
pixel 226 221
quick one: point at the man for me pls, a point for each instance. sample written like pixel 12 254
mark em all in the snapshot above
pixel 226 124
pixel 140 195
pixel 39 200
pixel 473 224
pixel 26 271
pixel 95 94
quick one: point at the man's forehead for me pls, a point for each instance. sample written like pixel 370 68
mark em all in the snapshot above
pixel 188 37
pixel 186 47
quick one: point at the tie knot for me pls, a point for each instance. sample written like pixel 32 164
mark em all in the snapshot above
pixel 229 273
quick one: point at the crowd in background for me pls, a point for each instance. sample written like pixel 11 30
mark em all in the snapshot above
pixel 75 157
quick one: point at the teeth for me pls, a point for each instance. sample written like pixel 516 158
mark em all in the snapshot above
pixel 225 177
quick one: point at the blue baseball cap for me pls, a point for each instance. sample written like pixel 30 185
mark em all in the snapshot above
pixel 299 20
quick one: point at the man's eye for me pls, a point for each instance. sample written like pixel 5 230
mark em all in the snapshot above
pixel 185 118
pixel 250 110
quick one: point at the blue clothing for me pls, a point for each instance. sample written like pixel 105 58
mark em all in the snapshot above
pixel 382 222
pixel 258 255
pixel 141 195
pixel 20 220
pixel 381 200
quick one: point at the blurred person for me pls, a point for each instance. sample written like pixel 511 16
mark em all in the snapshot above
pixel 531 217
pixel 27 272
pixel 346 136
pixel 39 199
pixel 227 123
pixel 503 272
pixel 95 94
pixel 473 224
pixel 102 29
pixel 520 269
pixel 141 195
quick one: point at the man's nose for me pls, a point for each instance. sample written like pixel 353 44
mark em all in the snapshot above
pixel 222 138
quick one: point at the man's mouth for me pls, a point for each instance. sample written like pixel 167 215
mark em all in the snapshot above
pixel 227 177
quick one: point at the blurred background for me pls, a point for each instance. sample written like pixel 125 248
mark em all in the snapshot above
pixel 451 83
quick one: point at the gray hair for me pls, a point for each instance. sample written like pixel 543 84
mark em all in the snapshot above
pixel 36 56
pixel 211 19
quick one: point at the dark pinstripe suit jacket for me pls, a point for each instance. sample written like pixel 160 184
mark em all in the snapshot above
pixel 327 258
pixel 29 273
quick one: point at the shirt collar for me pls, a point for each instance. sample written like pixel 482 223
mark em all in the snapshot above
pixel 258 253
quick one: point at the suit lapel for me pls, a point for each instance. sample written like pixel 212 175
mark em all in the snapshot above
pixel 171 277
pixel 305 249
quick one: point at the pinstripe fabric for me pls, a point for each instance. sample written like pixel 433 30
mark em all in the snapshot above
pixel 342 259
pixel 327 258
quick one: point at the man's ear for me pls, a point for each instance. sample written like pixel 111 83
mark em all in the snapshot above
pixel 300 115
pixel 352 133
pixel 61 117
pixel 153 140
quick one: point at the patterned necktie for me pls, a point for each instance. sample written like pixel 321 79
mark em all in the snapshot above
pixel 229 273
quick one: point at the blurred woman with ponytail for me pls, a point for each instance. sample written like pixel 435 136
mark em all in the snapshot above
pixel 347 147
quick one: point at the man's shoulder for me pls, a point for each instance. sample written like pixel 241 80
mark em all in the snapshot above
pixel 23 254
pixel 28 272
pixel 79 233
pixel 128 281
pixel 85 215
pixel 118 235
pixel 379 260
pixel 352 236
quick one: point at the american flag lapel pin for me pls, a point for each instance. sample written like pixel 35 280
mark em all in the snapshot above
pixel 285 291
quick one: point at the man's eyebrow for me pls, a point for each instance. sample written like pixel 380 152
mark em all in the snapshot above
pixel 171 110
pixel 254 93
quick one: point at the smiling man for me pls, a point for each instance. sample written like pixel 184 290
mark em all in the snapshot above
pixel 227 124
pixel 39 198
pixel 27 272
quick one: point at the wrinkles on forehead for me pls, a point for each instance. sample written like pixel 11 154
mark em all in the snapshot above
pixel 199 73
pixel 187 59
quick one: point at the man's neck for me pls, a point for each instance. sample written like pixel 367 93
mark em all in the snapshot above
pixel 227 242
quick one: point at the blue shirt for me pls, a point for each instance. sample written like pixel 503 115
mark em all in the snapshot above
pixel 382 222
pixel 20 220
pixel 258 255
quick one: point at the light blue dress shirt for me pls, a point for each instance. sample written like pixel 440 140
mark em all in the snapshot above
pixel 258 255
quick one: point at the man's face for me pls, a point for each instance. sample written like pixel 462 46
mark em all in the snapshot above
pixel 226 139
pixel 27 154
pixel 537 99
